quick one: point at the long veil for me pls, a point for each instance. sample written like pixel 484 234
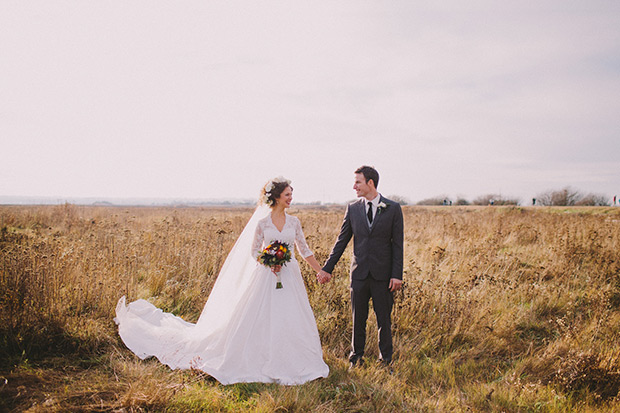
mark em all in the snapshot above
pixel 233 282
pixel 148 331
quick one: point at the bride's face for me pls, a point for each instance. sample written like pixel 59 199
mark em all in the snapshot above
pixel 286 197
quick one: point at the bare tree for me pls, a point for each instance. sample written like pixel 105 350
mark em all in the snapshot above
pixel 563 197
pixel 400 199
pixel 594 200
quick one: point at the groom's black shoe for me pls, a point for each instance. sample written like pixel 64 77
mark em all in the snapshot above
pixel 355 362
pixel 387 365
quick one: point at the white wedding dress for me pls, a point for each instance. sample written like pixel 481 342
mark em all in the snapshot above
pixel 248 331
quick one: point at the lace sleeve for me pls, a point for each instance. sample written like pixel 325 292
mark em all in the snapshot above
pixel 300 240
pixel 257 243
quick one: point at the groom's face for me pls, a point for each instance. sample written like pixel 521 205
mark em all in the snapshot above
pixel 362 188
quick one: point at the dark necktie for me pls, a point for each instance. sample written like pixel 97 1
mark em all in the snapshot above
pixel 370 212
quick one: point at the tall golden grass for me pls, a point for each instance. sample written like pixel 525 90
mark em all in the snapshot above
pixel 504 309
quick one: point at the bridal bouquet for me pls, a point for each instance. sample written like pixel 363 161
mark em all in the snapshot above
pixel 276 253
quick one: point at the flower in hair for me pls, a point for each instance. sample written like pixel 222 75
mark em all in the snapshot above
pixel 280 180
pixel 270 186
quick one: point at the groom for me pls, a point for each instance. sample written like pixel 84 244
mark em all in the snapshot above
pixel 376 225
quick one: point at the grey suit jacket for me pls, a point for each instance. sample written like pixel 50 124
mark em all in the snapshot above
pixel 378 250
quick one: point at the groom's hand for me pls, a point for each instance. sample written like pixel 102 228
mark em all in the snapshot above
pixel 323 277
pixel 395 284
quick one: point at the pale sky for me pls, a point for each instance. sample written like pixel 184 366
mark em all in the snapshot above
pixel 209 99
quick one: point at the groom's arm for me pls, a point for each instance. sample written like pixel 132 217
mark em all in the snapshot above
pixel 397 244
pixel 346 232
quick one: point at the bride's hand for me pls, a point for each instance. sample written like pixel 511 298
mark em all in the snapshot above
pixel 276 269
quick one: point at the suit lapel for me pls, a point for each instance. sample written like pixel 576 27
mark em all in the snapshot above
pixel 361 212
pixel 377 215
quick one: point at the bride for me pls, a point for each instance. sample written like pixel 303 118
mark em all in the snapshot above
pixel 249 330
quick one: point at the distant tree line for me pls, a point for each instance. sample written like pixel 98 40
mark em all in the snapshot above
pixel 489 199
pixel 563 197
pixel 570 197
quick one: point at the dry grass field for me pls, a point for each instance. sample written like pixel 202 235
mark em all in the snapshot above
pixel 504 309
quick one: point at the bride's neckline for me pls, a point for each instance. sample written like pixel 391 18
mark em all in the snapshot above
pixel 274 224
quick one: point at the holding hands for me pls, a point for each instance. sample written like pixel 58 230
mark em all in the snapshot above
pixel 323 277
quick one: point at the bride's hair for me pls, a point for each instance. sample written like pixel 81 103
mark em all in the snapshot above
pixel 272 190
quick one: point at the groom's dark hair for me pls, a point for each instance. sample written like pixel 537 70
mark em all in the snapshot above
pixel 369 173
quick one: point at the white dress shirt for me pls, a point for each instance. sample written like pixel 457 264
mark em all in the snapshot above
pixel 374 204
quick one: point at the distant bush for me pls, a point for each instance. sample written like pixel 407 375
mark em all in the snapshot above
pixel 495 199
pixel 400 199
pixel 461 201
pixel 570 197
pixel 438 200
pixel 563 197
pixel 593 200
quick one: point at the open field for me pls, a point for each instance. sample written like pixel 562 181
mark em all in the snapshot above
pixel 504 309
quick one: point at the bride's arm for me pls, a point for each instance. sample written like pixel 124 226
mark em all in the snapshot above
pixel 313 263
pixel 302 247
pixel 257 242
